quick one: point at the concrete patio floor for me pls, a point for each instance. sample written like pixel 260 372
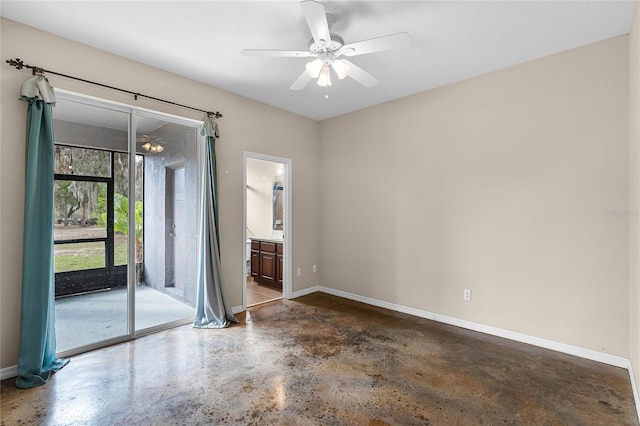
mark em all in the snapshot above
pixel 90 318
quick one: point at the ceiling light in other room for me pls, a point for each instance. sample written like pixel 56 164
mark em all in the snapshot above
pixel 153 148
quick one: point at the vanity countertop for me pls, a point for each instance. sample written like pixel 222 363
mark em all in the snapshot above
pixel 268 239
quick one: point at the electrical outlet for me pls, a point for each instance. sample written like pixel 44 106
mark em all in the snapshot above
pixel 467 295
pixel 315 268
pixel 299 272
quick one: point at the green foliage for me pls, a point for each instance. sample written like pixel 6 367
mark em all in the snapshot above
pixel 101 205
pixel 121 220
pixel 121 216
pixel 71 197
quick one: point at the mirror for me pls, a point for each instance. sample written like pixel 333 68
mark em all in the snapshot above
pixel 278 203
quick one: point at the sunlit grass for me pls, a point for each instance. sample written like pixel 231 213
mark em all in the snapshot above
pixel 79 256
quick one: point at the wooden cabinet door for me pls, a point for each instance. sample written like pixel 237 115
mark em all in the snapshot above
pixel 255 263
pixel 268 268
pixel 279 269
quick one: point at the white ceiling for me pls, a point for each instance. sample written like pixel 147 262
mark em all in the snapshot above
pixel 202 40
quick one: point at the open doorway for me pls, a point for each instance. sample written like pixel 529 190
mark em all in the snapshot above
pixel 266 224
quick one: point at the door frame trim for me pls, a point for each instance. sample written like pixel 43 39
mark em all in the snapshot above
pixel 287 228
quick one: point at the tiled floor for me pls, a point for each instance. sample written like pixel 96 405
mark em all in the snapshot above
pixel 257 293
pixel 323 360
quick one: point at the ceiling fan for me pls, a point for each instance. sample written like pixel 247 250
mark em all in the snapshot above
pixel 327 48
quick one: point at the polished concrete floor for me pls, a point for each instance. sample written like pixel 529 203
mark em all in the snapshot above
pixel 323 360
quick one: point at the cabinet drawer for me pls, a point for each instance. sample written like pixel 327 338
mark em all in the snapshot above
pixel 268 247
pixel 279 249
pixel 255 245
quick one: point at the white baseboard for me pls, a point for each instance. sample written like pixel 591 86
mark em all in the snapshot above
pixel 8 372
pixel 614 360
pixel 617 361
pixel 604 358
pixel 304 292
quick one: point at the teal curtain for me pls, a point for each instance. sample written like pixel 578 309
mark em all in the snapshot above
pixel 37 356
pixel 212 310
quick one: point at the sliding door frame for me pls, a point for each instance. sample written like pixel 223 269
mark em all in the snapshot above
pixel 134 112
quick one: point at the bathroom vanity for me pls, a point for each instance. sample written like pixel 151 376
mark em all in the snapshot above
pixel 266 262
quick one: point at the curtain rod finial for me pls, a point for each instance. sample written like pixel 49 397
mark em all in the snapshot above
pixel 17 62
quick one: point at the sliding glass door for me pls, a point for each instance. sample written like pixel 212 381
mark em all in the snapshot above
pixel 90 257
pixel 114 276
pixel 166 272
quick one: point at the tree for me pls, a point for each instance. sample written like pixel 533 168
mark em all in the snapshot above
pixel 65 199
pixel 89 197
pixel 71 196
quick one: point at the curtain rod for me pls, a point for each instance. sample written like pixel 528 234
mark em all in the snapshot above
pixel 19 64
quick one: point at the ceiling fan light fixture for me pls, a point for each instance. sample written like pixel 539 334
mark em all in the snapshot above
pixel 325 77
pixel 341 68
pixel 314 67
pixel 153 148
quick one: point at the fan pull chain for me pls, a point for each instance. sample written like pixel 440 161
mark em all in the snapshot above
pixel 326 92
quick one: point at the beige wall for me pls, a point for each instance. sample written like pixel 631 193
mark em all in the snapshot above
pixel 514 184
pixel 634 194
pixel 260 176
pixel 242 129
pixel 500 184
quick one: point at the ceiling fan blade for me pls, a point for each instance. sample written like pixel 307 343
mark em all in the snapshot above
pixel 378 44
pixel 317 20
pixel 301 82
pixel 360 75
pixel 277 53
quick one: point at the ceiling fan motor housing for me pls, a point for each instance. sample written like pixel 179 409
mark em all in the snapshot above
pixel 334 45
